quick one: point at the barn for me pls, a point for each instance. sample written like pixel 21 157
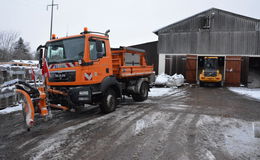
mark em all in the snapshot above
pixel 231 37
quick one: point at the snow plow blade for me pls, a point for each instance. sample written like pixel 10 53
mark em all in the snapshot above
pixel 28 108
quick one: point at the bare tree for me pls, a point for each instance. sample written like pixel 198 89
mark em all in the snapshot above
pixel 7 42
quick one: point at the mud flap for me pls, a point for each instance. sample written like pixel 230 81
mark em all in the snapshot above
pixel 28 108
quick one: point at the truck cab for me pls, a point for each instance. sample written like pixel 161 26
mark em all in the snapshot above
pixel 78 60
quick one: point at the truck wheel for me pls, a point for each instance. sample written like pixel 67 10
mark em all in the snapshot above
pixel 143 95
pixel 108 103
pixel 219 84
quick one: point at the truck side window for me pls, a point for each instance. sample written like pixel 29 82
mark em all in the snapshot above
pixel 94 54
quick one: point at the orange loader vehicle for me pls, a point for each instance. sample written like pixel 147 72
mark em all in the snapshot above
pixel 83 69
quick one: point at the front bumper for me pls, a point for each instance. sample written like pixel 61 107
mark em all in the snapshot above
pixel 210 79
pixel 80 95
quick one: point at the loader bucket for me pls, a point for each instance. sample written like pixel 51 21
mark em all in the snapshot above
pixel 28 108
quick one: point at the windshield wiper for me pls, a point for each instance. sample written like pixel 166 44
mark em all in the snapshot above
pixel 52 62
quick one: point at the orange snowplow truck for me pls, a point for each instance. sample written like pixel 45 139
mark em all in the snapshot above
pixel 85 70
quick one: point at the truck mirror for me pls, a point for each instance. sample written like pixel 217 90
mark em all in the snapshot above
pixel 99 46
pixel 40 57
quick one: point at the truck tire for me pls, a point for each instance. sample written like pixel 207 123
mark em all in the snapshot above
pixel 143 95
pixel 201 84
pixel 108 103
pixel 219 84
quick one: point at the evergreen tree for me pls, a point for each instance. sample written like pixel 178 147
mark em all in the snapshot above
pixel 21 50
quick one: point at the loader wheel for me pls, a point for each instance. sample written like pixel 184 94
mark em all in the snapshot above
pixel 143 95
pixel 108 103
pixel 201 84
pixel 219 84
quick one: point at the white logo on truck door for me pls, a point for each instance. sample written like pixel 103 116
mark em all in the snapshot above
pixel 88 76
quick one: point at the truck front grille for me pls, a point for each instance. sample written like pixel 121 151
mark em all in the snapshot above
pixel 62 76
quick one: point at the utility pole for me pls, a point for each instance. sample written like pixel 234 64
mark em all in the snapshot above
pixel 52 5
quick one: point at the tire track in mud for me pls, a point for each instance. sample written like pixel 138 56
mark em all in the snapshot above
pixel 121 132
pixel 174 146
pixel 85 128
pixel 191 135
pixel 23 140
pixel 145 143
pixel 102 126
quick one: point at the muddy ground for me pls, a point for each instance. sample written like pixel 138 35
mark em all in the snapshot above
pixel 191 123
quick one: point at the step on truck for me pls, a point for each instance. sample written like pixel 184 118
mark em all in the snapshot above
pixel 83 69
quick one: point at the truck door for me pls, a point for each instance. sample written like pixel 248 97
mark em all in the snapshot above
pixel 99 57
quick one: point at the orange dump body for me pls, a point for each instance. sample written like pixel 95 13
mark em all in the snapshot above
pixel 130 62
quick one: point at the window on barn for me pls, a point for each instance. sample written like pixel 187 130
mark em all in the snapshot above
pixel 205 22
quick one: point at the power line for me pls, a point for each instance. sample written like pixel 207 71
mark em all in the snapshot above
pixel 52 5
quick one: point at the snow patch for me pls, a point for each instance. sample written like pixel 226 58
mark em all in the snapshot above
pixel 253 93
pixel 238 137
pixel 210 156
pixel 140 125
pixel 176 106
pixel 241 140
pixel 11 109
pixel 156 92
pixel 150 121
pixel 9 88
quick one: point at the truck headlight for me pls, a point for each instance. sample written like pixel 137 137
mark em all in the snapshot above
pixel 83 93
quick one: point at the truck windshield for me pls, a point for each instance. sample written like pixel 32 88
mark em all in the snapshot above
pixel 211 64
pixel 65 50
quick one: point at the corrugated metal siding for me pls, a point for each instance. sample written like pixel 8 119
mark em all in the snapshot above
pixel 229 34
pixel 205 42
pixel 228 22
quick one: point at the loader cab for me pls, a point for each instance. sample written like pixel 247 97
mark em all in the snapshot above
pixel 211 71
pixel 211 64
pixel 78 60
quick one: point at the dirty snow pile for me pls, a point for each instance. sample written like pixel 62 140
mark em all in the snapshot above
pixel 253 93
pixel 11 109
pixel 169 81
pixel 156 92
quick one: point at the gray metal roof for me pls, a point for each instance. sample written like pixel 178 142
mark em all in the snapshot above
pixel 201 13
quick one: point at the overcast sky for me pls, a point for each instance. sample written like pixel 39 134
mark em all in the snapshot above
pixel 130 21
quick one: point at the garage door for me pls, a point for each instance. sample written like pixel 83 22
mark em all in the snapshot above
pixel 191 63
pixel 233 71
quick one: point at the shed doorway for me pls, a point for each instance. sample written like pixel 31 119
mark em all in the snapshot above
pixel 254 72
